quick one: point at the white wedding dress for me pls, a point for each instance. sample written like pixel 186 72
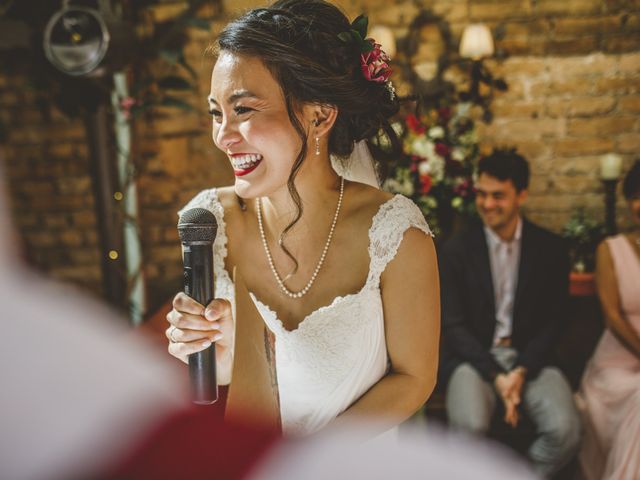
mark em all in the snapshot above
pixel 338 352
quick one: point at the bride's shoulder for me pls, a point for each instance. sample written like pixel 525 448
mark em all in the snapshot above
pixel 222 201
pixel 370 201
pixel 365 198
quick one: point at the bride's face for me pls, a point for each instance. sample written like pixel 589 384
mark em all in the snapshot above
pixel 251 125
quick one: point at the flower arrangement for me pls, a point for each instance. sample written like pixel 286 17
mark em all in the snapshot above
pixel 436 169
pixel 583 234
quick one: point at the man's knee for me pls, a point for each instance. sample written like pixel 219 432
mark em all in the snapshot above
pixel 565 434
pixel 469 400
pixel 557 417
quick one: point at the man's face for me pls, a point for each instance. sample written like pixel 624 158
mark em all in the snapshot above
pixel 498 202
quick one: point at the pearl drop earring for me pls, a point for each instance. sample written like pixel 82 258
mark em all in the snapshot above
pixel 317 146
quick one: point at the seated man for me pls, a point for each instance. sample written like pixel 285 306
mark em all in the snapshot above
pixel 504 297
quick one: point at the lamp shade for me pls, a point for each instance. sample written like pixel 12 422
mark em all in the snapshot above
pixel 76 40
pixel 476 42
pixel 610 166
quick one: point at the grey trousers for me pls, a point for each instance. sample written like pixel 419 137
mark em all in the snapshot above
pixel 547 400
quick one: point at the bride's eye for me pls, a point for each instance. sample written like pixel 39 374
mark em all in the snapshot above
pixel 241 110
pixel 216 114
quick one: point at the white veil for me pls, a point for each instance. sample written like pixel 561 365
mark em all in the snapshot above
pixel 359 167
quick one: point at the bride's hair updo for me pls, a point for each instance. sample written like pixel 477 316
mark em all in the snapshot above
pixel 298 42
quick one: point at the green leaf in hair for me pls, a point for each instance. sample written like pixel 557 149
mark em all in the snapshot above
pixel 361 24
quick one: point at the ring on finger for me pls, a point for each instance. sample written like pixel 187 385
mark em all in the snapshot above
pixel 171 330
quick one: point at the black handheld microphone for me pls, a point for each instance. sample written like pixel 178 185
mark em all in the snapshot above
pixel 197 228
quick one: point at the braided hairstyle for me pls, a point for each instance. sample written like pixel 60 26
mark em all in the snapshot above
pixel 297 40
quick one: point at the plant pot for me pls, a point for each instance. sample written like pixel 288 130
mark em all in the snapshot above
pixel 582 284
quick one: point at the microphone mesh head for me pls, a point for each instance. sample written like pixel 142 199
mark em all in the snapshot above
pixel 197 225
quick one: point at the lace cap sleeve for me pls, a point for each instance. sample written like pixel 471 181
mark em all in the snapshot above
pixel 393 219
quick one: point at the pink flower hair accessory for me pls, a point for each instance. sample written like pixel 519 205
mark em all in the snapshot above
pixel 374 62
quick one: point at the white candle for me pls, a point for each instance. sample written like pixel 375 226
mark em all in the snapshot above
pixel 610 166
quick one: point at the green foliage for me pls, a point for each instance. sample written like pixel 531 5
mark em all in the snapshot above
pixel 358 34
pixel 583 233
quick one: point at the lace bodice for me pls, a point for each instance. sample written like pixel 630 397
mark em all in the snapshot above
pixel 338 351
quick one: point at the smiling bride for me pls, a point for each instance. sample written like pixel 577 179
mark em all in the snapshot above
pixel 343 274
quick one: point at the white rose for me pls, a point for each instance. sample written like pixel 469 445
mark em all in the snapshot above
pixel 424 168
pixel 436 132
pixel 436 166
pixel 457 154
pixel 423 147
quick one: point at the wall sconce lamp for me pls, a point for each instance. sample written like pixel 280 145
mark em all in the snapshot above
pixel 477 44
pixel 610 169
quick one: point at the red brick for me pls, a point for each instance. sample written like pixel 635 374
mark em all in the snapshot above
pixel 497 10
pixel 580 106
pixel 617 85
pixel 621 43
pixel 519 67
pixel 508 129
pixel 520 109
pixel 621 5
pixel 629 143
pixel 630 63
pixel 571 147
pixel 569 7
pixel 600 127
pixel 71 238
pixel 575 184
pixel 86 218
pixel 561 68
pixel 391 14
pixel 575 86
pixel 629 104
pixel 571 45
pixel 589 26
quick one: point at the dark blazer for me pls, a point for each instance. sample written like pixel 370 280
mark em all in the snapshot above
pixel 468 305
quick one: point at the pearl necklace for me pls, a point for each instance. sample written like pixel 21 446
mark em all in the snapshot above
pixel 281 284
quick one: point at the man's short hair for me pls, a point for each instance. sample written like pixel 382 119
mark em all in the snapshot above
pixel 631 184
pixel 506 164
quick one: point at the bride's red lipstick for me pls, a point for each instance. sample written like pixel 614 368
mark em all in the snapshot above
pixel 240 172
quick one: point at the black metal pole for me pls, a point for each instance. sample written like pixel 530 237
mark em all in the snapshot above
pixel 610 206
pixel 104 178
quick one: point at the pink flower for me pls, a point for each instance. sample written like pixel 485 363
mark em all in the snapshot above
pixel 374 64
pixel 126 104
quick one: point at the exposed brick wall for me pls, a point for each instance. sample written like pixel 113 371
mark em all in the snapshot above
pixel 573 70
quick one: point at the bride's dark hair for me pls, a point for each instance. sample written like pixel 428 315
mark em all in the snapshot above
pixel 298 42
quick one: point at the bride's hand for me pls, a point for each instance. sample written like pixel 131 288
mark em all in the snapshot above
pixel 193 328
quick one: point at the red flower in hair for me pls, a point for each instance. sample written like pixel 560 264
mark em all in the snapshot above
pixel 374 64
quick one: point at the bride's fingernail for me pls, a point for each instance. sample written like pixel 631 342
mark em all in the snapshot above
pixel 206 344
pixel 217 337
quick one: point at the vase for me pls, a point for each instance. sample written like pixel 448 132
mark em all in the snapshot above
pixel 582 284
